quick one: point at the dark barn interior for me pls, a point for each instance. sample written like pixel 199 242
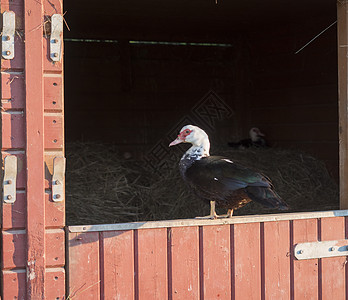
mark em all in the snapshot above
pixel 136 71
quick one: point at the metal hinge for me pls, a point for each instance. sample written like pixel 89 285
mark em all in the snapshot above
pixel 58 178
pixel 56 37
pixel 10 178
pixel 8 33
pixel 321 249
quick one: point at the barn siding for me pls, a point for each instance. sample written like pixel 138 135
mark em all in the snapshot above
pixel 32 119
pixel 242 258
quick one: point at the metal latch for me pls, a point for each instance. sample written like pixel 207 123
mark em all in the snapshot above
pixel 8 33
pixel 58 179
pixel 56 37
pixel 321 249
pixel 10 178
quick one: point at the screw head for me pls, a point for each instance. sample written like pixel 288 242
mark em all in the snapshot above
pixel 55 54
pixel 332 249
pixel 9 181
pixel 55 41
pixel 57 182
pixel 8 52
pixel 9 197
pixel 7 38
pixel 57 196
pixel 300 251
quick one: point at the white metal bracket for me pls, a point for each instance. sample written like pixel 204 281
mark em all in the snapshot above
pixel 321 249
pixel 9 179
pixel 8 34
pixel 56 37
pixel 58 179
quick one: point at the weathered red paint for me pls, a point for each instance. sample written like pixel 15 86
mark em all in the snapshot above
pixel 183 263
pixel 216 267
pixel 277 263
pixel 84 272
pixel 152 263
pixel 34 118
pixel 333 279
pixel 227 261
pixel 118 273
pixel 247 261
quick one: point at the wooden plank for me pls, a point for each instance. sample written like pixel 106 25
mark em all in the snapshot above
pixel 54 212
pixel 55 247
pixel 246 282
pixel 13 130
pixel 55 283
pixel 201 222
pixel 342 37
pixel 216 262
pixel 152 264
pixel 13 214
pixel 13 254
pixel 14 281
pixel 54 138
pixel 183 256
pixel 305 272
pixel 118 265
pixel 84 275
pixel 36 258
pixel 333 269
pixel 277 260
pixel 53 93
pixel 12 91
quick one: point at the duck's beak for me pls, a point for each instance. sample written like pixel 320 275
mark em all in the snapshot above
pixel 178 140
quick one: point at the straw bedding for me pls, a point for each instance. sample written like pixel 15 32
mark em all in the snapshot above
pixel 103 187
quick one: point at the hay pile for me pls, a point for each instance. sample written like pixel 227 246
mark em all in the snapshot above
pixel 102 187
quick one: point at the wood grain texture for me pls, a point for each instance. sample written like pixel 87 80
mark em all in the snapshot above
pixel 13 214
pixel 13 254
pixel 277 252
pixel 305 272
pixel 55 284
pixel 247 262
pixel 184 255
pixel 54 212
pixel 12 91
pixel 13 130
pixel 84 272
pixel 53 93
pixel 14 281
pixel 333 268
pixel 152 263
pixel 342 40
pixel 118 269
pixel 35 252
pixel 54 132
pixel 216 262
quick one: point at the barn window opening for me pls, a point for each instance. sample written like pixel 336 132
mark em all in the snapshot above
pixel 130 86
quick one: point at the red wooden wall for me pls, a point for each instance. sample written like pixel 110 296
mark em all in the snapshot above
pixel 242 258
pixel 32 248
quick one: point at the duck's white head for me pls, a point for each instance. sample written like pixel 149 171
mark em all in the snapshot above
pixel 194 135
pixel 255 134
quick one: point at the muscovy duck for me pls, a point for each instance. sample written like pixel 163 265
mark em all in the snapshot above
pixel 220 180
pixel 256 140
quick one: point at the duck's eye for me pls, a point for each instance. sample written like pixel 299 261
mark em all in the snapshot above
pixel 187 131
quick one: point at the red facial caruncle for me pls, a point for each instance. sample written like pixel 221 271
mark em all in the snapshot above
pixel 181 137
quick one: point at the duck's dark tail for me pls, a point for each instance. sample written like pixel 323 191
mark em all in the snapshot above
pixel 266 196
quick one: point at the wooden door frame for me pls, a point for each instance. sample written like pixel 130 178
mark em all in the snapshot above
pixel 342 49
